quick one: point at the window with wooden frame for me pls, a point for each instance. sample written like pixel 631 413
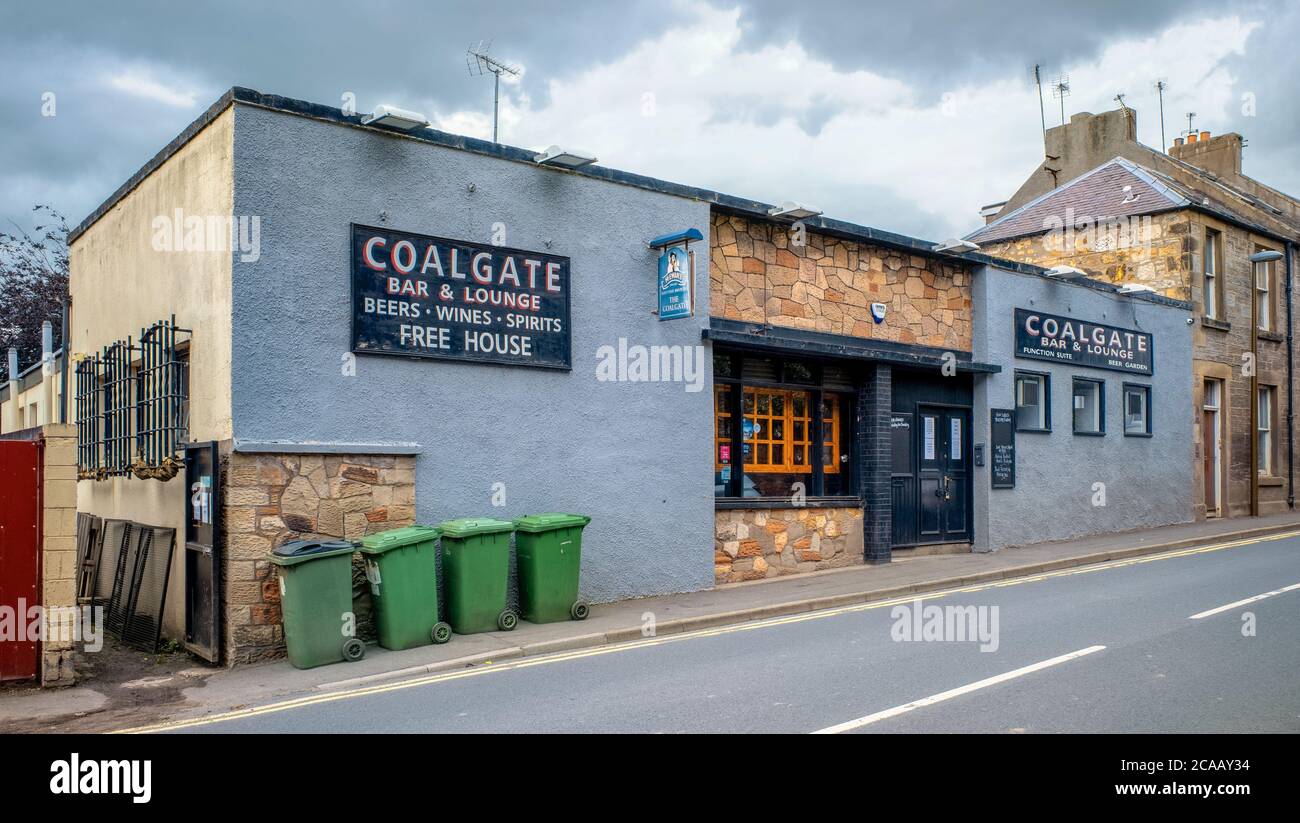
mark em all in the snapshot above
pixel 782 428
pixel 1213 295
pixel 1264 293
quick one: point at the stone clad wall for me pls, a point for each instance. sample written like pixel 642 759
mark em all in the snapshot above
pixel 1158 251
pixel 271 498
pixel 758 274
pixel 753 544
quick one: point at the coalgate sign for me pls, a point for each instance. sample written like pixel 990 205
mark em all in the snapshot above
pixel 420 296
pixel 1065 340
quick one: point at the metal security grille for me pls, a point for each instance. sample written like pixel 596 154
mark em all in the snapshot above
pixel 133 406
pixel 117 383
pixel 147 593
pixel 88 420
pixel 112 545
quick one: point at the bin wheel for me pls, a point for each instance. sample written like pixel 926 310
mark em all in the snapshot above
pixel 353 650
pixel 507 620
pixel 579 610
pixel 441 632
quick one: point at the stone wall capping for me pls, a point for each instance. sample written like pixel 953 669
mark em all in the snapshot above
pixel 324 447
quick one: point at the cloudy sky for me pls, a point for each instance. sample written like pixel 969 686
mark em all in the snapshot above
pixel 903 116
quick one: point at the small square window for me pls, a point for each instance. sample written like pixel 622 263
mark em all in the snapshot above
pixel 1089 407
pixel 1137 410
pixel 1033 402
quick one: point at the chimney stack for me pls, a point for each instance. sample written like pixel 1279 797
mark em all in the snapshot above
pixel 13 363
pixel 47 343
pixel 1219 154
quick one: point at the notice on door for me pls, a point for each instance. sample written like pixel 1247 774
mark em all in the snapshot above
pixel 420 296
pixel 927 448
pixel 1002 424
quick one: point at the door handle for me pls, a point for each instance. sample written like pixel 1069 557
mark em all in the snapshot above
pixel 947 487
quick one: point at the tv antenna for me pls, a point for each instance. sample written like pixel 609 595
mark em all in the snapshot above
pixel 1191 115
pixel 479 63
pixel 1037 72
pixel 1060 91
pixel 1162 86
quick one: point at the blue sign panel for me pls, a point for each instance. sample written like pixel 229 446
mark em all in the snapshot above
pixel 674 284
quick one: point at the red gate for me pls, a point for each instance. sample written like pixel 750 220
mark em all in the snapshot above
pixel 20 550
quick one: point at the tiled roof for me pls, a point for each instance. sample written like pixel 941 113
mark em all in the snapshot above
pixel 1115 189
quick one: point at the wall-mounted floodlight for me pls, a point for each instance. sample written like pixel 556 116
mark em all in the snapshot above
pixel 565 159
pixel 1135 288
pixel 1066 272
pixel 794 211
pixel 955 246
pixel 395 118
pixel 1266 256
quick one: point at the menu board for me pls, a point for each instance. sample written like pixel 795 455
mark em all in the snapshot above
pixel 1003 452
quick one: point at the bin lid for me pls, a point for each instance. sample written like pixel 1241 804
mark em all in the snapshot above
pixel 549 521
pixel 470 526
pixel 293 552
pixel 396 538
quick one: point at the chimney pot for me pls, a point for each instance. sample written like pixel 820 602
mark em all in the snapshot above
pixel 1191 138
pixel 13 362
pixel 1205 135
pixel 47 340
pixel 1178 141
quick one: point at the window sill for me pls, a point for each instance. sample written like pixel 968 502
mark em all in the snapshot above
pixel 1271 481
pixel 1215 323
pixel 1033 431
pixel 1271 336
pixel 1090 434
pixel 843 502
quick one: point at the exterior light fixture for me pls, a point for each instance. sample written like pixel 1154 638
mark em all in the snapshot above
pixel 564 158
pixel 1064 272
pixel 1266 256
pixel 1135 288
pixel 395 118
pixel 794 211
pixel 956 246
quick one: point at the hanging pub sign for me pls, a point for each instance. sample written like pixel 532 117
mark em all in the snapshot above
pixel 420 296
pixel 676 281
pixel 1042 336
pixel 675 284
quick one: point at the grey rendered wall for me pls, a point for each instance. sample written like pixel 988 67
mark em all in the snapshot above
pixel 1148 481
pixel 634 456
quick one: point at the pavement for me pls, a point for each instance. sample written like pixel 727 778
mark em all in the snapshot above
pixel 195 693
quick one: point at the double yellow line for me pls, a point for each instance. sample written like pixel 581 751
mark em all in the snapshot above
pixel 489 668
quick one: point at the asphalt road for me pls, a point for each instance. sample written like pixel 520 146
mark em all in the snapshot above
pixel 1158 669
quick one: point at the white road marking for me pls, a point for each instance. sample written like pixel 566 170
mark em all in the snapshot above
pixel 1232 606
pixel 957 692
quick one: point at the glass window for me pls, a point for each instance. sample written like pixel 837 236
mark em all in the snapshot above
pixel 1137 410
pixel 1263 290
pixel 1089 417
pixel 784 432
pixel 1264 441
pixel 1032 402
pixel 1212 273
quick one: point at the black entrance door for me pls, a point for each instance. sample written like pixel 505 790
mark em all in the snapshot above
pixel 943 474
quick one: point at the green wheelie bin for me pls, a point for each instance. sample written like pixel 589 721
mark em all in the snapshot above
pixel 476 567
pixel 548 548
pixel 402 567
pixel 316 601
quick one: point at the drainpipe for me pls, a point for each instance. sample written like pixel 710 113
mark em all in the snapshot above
pixel 63 346
pixel 1290 385
pixel 47 371
pixel 12 423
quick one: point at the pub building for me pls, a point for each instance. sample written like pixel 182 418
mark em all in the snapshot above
pixel 398 325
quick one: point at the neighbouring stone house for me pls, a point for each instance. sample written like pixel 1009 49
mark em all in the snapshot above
pixel 1184 224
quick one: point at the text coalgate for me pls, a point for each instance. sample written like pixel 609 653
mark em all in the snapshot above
pixel 421 296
